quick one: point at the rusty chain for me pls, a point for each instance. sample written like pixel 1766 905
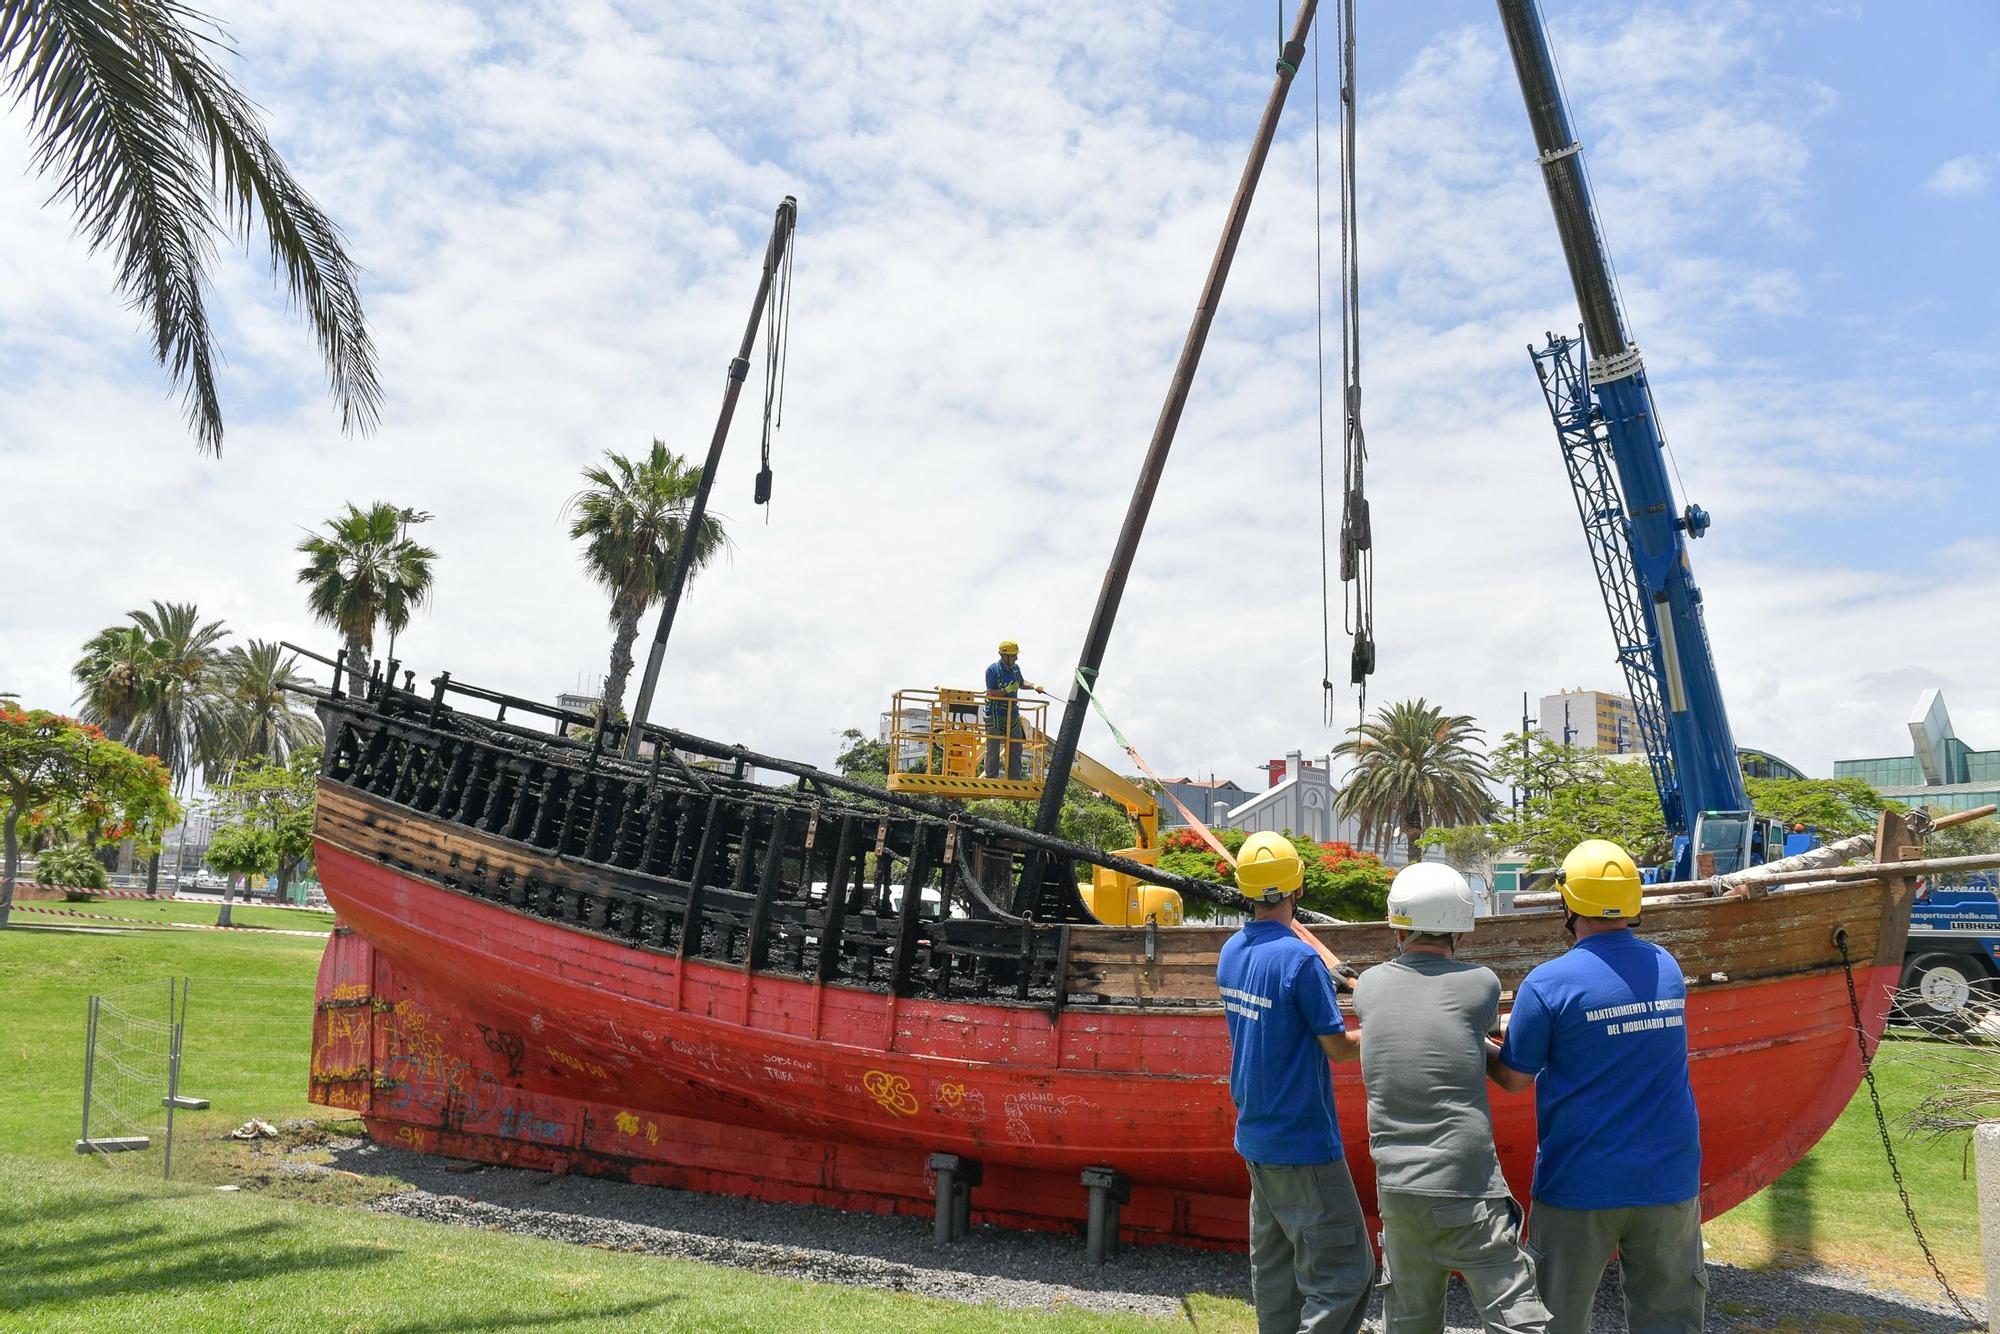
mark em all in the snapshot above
pixel 1882 1126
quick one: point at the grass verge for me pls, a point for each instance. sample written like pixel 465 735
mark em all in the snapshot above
pixel 249 1025
pixel 1838 1205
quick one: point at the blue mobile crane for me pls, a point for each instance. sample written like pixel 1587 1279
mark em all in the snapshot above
pixel 1638 538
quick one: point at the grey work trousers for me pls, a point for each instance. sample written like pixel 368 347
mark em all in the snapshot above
pixel 1659 1254
pixel 1311 1268
pixel 1426 1237
pixel 1004 723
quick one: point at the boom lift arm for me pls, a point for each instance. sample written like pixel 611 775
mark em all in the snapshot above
pixel 1613 449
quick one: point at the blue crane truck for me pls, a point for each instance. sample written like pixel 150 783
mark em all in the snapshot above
pixel 1637 532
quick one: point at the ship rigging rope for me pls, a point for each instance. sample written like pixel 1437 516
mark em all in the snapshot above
pixel 1194 822
pixel 1357 555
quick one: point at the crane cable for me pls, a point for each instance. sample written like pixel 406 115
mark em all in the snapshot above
pixel 777 357
pixel 1357 554
pixel 1357 558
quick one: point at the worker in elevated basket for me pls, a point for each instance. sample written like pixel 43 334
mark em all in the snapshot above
pixel 1003 710
pixel 1601 1033
pixel 1425 1058
pixel 1311 1268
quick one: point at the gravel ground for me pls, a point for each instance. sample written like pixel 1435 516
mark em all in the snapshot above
pixel 992 1267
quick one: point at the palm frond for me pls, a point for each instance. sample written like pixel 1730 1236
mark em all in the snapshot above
pixel 141 130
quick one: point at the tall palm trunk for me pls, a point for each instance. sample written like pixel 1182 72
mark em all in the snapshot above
pixel 621 659
pixel 357 662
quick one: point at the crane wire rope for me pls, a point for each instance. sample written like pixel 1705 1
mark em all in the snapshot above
pixel 1319 383
pixel 1357 554
pixel 777 358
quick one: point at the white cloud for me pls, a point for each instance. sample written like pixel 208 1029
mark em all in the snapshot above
pixel 1006 211
pixel 1960 177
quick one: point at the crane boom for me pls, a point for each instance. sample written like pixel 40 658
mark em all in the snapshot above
pixel 1604 410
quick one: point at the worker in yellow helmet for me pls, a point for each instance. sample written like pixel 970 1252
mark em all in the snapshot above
pixel 1311 1266
pixel 1601 1034
pixel 1425 1059
pixel 1003 711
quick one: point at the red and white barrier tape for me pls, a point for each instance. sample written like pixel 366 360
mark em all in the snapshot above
pixel 178 926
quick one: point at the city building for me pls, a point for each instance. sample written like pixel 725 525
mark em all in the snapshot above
pixel 1276 770
pixel 1605 722
pixel 1202 796
pixel 1597 720
pixel 1301 802
pixel 1940 771
pixel 1763 764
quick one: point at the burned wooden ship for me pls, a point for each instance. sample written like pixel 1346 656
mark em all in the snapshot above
pixel 667 972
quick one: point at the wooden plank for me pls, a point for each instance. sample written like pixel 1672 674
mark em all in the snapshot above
pixel 1791 932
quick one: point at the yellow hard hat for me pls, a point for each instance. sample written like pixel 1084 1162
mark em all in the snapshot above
pixel 1598 879
pixel 1009 646
pixel 1268 867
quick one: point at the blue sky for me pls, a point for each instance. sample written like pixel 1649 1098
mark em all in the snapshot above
pixel 1006 211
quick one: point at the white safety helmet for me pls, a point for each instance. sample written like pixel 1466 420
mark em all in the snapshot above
pixel 1430 897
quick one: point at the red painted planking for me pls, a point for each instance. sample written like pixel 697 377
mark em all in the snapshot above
pixel 615 1080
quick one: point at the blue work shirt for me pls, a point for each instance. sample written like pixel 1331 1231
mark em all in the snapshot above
pixel 1603 1029
pixel 1278 999
pixel 1000 676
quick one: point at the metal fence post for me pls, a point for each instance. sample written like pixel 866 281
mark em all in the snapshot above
pixel 89 1062
pixel 174 1025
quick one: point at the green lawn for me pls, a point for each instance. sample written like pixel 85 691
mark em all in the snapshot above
pixel 109 1238
pixel 1839 1206
pixel 249 1023
pixel 201 914
pixel 105 1245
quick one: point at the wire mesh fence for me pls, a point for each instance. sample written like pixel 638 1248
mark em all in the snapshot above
pixel 131 1069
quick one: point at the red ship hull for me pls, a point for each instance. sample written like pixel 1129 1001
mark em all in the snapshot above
pixel 459 1027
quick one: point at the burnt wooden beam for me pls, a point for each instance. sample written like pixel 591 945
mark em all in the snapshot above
pixel 836 903
pixel 767 885
pixel 697 881
pixel 909 916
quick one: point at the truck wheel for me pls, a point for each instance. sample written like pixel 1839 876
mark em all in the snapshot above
pixel 1938 990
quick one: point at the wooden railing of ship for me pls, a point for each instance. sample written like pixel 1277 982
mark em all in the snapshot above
pixel 826 879
pixel 837 882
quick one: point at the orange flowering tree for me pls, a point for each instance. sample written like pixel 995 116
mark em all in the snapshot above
pixel 1341 880
pixel 61 776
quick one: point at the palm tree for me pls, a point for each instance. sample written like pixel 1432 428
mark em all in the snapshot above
pixel 362 571
pixel 117 671
pixel 157 685
pixel 182 721
pixel 260 715
pixel 631 520
pixel 1414 766
pixel 157 153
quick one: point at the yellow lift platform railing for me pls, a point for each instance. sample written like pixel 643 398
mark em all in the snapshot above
pixel 943 742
